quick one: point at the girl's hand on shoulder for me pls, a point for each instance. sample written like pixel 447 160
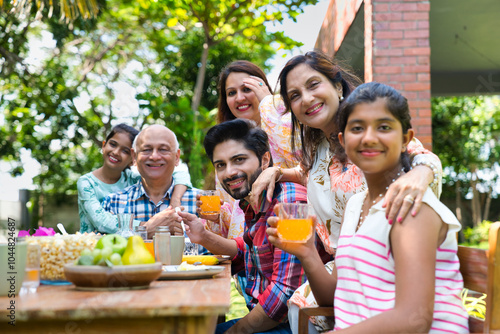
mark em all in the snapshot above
pixel 405 194
pixel 258 86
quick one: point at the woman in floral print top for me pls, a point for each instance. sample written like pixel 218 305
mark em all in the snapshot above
pixel 314 93
pixel 313 87
pixel 244 92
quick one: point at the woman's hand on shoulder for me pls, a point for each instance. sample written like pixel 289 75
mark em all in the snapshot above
pixel 266 181
pixel 406 194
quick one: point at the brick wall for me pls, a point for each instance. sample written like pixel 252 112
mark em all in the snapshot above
pixel 398 54
pixel 338 19
pixel 397 49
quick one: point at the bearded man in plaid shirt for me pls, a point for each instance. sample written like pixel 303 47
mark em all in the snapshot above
pixel 156 153
pixel 239 151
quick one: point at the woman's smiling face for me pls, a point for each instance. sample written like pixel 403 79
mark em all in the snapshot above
pixel 241 100
pixel 313 98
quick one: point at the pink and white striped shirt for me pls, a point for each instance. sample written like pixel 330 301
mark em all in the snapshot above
pixel 365 269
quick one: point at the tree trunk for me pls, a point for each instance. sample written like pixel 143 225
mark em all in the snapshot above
pixel 41 203
pixel 476 204
pixel 198 88
pixel 458 204
pixel 487 205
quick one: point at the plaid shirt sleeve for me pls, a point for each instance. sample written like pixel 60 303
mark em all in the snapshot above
pixel 287 276
pixel 238 262
pixel 287 273
pixel 188 200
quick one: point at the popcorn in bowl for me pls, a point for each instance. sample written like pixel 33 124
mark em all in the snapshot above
pixel 58 250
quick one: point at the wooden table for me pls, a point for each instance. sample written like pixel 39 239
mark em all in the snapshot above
pixel 181 306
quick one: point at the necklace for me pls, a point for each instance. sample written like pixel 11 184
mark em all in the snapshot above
pixel 363 217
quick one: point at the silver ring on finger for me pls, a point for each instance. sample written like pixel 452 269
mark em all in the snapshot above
pixel 409 199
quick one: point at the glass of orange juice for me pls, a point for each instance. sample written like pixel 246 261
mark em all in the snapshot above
pixel 295 222
pixel 210 202
pixel 150 246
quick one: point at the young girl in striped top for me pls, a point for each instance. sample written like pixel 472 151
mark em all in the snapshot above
pixel 387 277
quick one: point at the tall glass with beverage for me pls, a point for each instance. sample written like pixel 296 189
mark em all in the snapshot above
pixel 32 271
pixel 210 202
pixel 162 245
pixel 295 222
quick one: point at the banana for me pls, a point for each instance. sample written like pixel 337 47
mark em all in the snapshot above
pixel 204 259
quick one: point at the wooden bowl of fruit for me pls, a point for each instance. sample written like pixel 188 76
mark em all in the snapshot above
pixel 114 264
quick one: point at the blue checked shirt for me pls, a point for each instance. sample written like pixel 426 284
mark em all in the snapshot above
pixel 134 200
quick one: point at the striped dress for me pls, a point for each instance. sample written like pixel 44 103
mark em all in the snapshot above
pixel 365 269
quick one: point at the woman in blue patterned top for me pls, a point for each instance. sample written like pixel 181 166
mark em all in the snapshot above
pixel 113 176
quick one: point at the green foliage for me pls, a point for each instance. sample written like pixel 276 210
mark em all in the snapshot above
pixel 466 137
pixel 478 236
pixel 154 47
pixel 225 20
pixel 69 11
pixel 466 131
pixel 176 75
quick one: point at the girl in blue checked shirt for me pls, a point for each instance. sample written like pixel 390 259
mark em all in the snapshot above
pixel 113 176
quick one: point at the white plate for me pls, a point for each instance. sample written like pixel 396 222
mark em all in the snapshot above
pixel 171 272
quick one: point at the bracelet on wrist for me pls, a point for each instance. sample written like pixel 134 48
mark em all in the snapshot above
pixel 435 172
pixel 280 174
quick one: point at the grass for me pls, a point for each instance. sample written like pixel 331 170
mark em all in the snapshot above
pixel 238 308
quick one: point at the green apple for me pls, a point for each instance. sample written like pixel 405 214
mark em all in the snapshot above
pixel 115 241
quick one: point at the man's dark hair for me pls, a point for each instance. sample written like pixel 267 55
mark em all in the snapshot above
pixel 241 130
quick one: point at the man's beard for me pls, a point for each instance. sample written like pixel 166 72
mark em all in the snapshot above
pixel 241 193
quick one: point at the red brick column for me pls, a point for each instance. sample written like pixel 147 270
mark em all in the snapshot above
pixel 397 53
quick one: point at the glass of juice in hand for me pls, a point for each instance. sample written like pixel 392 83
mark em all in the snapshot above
pixel 295 222
pixel 210 202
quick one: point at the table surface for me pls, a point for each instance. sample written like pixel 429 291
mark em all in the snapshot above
pixel 164 298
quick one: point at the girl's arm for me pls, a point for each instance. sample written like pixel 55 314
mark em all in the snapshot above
pixel 426 171
pixel 268 178
pixel 413 245
pixel 182 181
pixel 277 123
pixel 99 219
